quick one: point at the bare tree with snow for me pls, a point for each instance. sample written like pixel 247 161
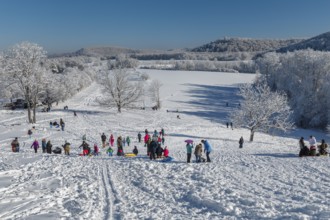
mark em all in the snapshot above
pixel 155 92
pixel 262 109
pixel 22 66
pixel 121 91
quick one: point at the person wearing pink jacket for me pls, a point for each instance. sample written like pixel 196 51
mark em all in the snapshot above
pixel 112 140
pixel 165 152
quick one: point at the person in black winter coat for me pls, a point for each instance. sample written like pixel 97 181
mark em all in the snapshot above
pixel 159 151
pixel 241 141
pixel 153 147
pixel 104 139
pixel 135 150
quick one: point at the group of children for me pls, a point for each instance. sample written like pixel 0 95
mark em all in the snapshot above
pixel 313 147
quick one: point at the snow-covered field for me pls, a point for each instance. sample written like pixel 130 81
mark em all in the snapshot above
pixel 264 180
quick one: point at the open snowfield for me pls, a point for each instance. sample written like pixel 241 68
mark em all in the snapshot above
pixel 264 180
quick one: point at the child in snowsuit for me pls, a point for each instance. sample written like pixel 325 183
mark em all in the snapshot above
pixel 128 140
pixel 43 145
pixel 96 150
pixel 15 145
pixel 112 140
pixel 110 151
pixel 35 145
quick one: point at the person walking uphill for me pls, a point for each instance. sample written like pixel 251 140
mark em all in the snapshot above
pixel 139 137
pixel 189 147
pixel 207 149
pixel 35 145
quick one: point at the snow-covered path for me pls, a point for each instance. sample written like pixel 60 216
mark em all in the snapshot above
pixel 264 180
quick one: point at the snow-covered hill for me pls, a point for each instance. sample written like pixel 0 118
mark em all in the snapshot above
pixel 264 180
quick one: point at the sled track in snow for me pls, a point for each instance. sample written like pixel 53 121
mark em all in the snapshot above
pixel 110 195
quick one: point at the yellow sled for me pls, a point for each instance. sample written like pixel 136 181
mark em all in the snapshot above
pixel 130 155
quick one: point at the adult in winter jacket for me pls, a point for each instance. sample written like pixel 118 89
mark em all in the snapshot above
pixel 62 124
pixel 153 147
pixel 198 152
pixel 49 147
pixel 120 150
pixel 35 145
pixel 103 139
pixel 146 139
pixel 66 148
pixel 85 147
pixel 207 149
pixel 241 141
pixel 15 145
pixel 43 145
pixel 189 147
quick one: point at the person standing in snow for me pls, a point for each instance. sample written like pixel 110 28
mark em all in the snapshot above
pixel 30 133
pixel 49 147
pixel 85 147
pixel 120 150
pixel 163 140
pixel 110 151
pixel 323 148
pixel 153 147
pixel 207 149
pixel 139 137
pixel 124 141
pixel 241 141
pixel 198 152
pixel 66 148
pixel 96 150
pixel 189 147
pixel 103 139
pixel 128 140
pixel 15 145
pixel 135 150
pixel 62 124
pixel 159 151
pixel 112 140
pixel 163 132
pixel 35 145
pixel 43 145
pixel 146 139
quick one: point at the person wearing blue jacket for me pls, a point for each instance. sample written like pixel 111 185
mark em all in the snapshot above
pixel 207 149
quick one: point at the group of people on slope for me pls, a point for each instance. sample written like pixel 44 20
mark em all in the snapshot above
pixel 57 125
pixel 313 147
pixel 198 152
pixel 154 144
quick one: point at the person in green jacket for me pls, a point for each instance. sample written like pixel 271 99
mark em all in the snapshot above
pixel 189 147
pixel 128 140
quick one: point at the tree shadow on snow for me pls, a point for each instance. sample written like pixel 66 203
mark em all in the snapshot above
pixel 81 112
pixel 214 102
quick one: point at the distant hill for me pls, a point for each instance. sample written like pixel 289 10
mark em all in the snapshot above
pixel 245 45
pixel 105 51
pixel 320 42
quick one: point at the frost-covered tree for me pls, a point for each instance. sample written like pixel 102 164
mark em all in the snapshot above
pixel 155 92
pixel 22 65
pixel 262 109
pixel 119 88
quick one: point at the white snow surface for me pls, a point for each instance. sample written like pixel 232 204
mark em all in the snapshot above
pixel 263 180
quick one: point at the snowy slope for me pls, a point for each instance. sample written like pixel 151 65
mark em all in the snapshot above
pixel 264 180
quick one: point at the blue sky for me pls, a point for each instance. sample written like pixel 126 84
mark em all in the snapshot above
pixel 68 25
